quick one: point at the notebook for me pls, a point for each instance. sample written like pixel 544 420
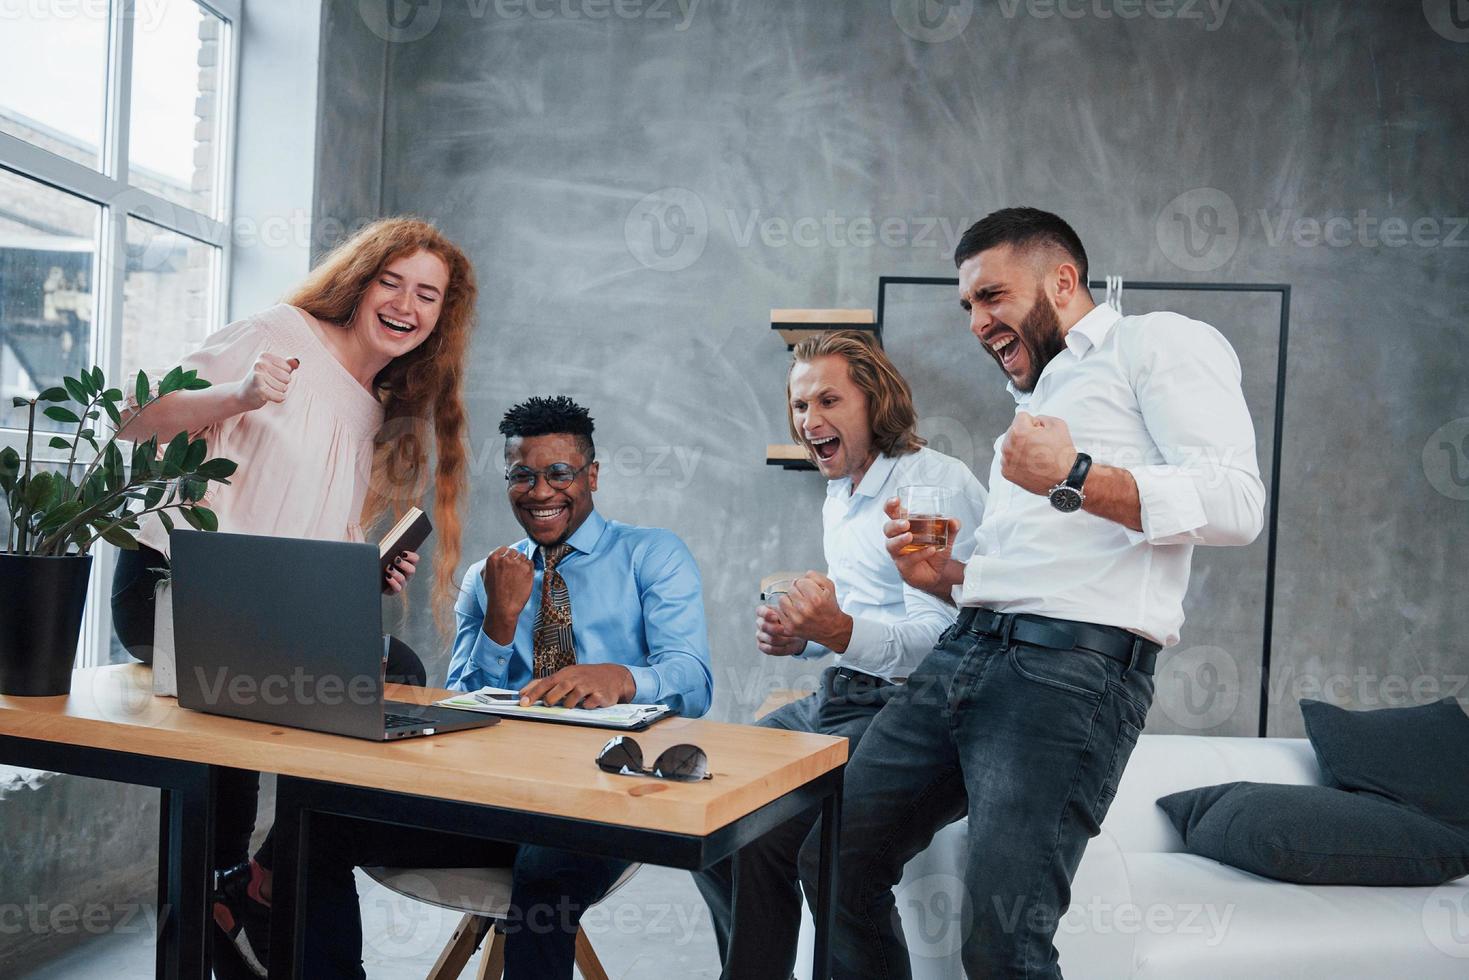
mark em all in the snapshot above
pixel 506 703
pixel 409 534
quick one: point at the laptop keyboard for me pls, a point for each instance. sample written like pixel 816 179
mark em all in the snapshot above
pixel 402 721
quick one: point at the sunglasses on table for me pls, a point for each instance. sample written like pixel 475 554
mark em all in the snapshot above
pixel 558 475
pixel 623 756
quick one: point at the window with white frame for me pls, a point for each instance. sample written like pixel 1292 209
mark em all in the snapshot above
pixel 116 163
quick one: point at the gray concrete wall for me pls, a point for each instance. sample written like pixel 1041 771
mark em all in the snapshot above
pixel 275 152
pixel 349 125
pixel 795 152
pixel 70 877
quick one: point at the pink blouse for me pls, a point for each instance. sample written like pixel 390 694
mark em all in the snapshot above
pixel 304 463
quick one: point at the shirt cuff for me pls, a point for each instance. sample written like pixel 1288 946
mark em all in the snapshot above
pixel 492 657
pixel 1169 501
pixel 647 682
pixel 867 636
pixel 868 649
pixel 813 651
pixel 970 582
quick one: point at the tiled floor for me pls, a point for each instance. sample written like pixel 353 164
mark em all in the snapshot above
pixel 655 926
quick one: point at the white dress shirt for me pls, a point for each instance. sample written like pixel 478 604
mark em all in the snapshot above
pixel 894 626
pixel 1158 395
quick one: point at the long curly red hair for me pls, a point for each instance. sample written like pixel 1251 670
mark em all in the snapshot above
pixel 420 388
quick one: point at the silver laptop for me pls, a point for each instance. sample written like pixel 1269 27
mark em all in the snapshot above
pixel 288 632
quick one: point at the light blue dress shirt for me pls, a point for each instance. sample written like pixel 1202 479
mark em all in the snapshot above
pixel 636 600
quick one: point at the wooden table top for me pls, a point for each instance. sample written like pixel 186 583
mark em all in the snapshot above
pixel 523 765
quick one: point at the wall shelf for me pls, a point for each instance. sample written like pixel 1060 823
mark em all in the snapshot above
pixel 788 456
pixel 795 326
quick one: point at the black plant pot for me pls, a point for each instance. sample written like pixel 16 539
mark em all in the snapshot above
pixel 41 604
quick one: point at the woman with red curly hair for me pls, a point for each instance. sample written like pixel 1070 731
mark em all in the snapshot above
pixel 324 401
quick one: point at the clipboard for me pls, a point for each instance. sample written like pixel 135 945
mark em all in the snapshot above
pixel 619 717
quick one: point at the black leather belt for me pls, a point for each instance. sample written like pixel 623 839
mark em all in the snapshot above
pixel 862 677
pixel 1129 649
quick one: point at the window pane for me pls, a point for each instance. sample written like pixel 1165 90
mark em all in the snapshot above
pixel 48 248
pixel 168 298
pixel 53 75
pixel 173 143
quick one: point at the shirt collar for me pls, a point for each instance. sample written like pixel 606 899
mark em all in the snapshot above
pixel 1085 336
pixel 1090 332
pixel 872 481
pixel 584 539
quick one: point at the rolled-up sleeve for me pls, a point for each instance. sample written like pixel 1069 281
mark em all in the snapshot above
pixel 678 671
pixel 477 660
pixel 1207 490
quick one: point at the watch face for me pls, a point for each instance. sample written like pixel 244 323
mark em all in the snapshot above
pixel 1066 499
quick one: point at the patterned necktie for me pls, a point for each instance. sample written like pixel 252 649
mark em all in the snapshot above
pixel 553 646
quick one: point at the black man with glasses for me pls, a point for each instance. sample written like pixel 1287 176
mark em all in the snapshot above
pixel 623 618
pixel 582 611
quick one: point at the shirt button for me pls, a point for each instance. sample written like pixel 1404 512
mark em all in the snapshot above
pixel 500 659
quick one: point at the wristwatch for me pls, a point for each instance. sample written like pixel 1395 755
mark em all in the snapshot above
pixel 1067 496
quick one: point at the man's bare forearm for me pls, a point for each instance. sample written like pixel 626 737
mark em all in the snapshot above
pixel 1111 493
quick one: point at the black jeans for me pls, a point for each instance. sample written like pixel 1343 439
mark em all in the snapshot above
pixel 237 791
pixel 755 898
pixel 1029 743
pixel 550 890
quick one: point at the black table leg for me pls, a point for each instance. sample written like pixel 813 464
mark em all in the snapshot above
pixel 185 837
pixel 825 912
pixel 185 850
pixel 288 884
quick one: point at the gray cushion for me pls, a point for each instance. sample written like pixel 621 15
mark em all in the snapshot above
pixel 1316 835
pixel 1416 756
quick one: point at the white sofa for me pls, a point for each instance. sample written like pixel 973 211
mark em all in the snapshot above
pixel 1143 908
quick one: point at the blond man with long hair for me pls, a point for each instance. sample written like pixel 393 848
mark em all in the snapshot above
pixel 325 401
pixel 852 410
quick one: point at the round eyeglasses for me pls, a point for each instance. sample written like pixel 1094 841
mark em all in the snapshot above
pixel 559 476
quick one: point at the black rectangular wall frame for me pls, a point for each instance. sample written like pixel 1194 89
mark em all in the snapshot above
pixel 1273 504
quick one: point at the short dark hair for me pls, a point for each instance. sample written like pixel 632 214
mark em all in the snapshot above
pixel 1024 229
pixel 549 415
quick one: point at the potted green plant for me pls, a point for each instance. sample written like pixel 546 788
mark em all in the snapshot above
pixel 52 521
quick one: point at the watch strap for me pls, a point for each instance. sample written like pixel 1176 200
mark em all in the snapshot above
pixel 1079 470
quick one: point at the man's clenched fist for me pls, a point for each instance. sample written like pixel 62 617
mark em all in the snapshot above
pixel 509 577
pixel 810 611
pixel 1038 452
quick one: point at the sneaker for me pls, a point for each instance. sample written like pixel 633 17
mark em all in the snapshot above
pixel 242 916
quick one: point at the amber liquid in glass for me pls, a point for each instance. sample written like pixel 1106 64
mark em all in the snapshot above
pixel 928 532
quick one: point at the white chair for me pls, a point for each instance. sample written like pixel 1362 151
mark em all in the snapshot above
pixel 483 895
